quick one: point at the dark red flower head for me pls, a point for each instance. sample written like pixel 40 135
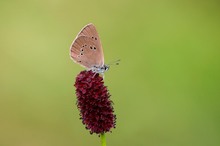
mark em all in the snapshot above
pixel 93 102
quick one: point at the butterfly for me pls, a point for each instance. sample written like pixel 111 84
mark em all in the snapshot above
pixel 87 50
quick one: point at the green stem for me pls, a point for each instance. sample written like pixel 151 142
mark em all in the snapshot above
pixel 103 139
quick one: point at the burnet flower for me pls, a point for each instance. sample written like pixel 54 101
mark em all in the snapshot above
pixel 93 102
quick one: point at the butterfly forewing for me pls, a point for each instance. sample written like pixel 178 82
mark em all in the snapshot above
pixel 86 49
pixel 90 31
pixel 86 52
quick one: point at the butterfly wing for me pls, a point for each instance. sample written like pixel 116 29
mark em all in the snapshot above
pixel 90 31
pixel 87 52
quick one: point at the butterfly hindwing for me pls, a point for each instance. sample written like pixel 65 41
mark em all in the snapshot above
pixel 87 52
pixel 86 49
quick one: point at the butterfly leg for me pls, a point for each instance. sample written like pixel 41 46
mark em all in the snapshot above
pixel 103 76
pixel 94 74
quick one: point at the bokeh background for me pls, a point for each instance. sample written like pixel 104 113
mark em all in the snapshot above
pixel 166 89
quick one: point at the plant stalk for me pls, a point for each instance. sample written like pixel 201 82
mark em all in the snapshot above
pixel 103 139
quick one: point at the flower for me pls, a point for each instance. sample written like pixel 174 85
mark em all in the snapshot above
pixel 93 102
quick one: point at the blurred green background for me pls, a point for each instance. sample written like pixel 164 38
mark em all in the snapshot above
pixel 166 89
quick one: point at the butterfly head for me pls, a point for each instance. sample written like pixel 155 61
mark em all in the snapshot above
pixel 106 67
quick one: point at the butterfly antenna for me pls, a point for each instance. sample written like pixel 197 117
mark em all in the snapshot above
pixel 114 62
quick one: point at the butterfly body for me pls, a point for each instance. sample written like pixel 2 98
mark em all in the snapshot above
pixel 100 69
pixel 87 50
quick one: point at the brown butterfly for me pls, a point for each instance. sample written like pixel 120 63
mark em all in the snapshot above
pixel 87 50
